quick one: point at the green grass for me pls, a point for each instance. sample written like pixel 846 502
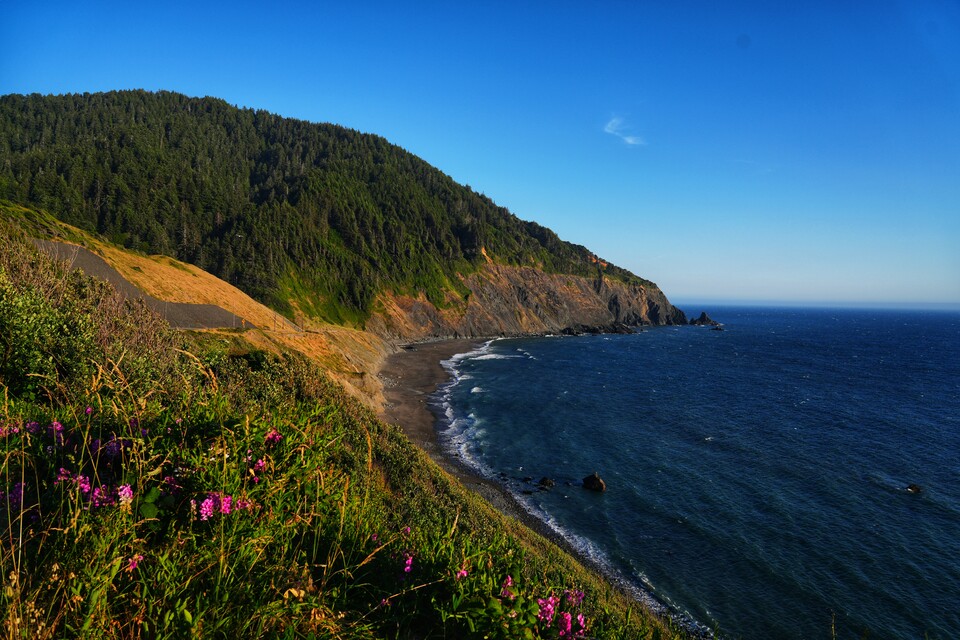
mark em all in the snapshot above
pixel 157 484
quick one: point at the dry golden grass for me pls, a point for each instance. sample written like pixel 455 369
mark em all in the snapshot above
pixel 349 356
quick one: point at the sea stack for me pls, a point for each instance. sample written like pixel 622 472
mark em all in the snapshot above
pixel 593 482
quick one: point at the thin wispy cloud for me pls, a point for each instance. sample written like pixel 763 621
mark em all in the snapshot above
pixel 615 127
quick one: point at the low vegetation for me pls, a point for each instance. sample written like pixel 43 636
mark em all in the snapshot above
pixel 163 484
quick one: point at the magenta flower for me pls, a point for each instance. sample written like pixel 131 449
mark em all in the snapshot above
pixel 564 624
pixel 547 609
pixel 207 508
pixel 505 589
pixel 134 562
pixel 272 438
pixel 125 493
pixel 461 574
pixel 408 564
pixel 226 503
pixel 88 410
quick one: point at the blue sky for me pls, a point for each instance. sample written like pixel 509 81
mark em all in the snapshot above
pixel 729 151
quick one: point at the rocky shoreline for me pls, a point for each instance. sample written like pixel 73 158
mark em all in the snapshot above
pixel 409 377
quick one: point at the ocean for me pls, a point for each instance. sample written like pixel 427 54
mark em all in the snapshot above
pixel 757 477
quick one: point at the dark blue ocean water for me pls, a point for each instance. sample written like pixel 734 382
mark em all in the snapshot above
pixel 756 476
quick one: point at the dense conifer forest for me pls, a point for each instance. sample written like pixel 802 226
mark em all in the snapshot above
pixel 289 211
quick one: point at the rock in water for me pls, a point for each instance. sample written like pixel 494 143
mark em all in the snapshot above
pixel 594 483
pixel 914 488
pixel 705 321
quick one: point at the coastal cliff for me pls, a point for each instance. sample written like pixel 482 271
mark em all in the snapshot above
pixel 509 300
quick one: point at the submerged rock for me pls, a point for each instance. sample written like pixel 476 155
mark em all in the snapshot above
pixel 593 482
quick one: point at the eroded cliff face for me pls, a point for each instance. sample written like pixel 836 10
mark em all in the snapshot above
pixel 507 300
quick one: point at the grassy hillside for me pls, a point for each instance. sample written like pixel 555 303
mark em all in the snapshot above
pixel 163 484
pixel 304 216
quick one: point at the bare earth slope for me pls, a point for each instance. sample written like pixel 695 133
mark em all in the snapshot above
pixel 510 300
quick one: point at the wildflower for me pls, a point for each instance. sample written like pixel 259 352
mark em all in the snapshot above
pixel 84 483
pixel 505 591
pixel 226 504
pixel 125 494
pixel 32 427
pixel 170 485
pixel 88 410
pixel 101 497
pixel 374 537
pixel 134 562
pixel 207 508
pixel 408 563
pixel 243 504
pixel 56 432
pixel 461 574
pixel 582 622
pixel 385 602
pixel 259 465
pixel 564 624
pixel 272 438
pixel 574 597
pixel 547 609
pixel 63 475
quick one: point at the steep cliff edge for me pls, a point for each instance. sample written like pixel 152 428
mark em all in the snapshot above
pixel 510 300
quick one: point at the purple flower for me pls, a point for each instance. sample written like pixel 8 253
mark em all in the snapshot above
pixel 272 438
pixel 547 609
pixel 408 563
pixel 134 562
pixel 574 597
pixel 101 497
pixel 125 495
pixel 32 427
pixel 207 508
pixel 461 574
pixel 564 624
pixel 505 591
pixel 226 504
pixel 88 410
pixel 259 465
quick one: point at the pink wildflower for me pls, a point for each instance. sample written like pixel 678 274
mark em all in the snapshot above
pixel 207 507
pixel 547 609
pixel 408 564
pixel 505 591
pixel 273 438
pixel 564 623
pixel 259 465
pixel 134 561
pixel 226 504
pixel 461 574
pixel 125 494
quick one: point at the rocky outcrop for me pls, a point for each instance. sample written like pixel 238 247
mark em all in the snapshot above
pixel 510 300
pixel 594 482
pixel 704 321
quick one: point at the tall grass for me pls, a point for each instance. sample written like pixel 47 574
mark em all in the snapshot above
pixel 155 484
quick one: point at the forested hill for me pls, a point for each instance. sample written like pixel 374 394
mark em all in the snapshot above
pixel 315 216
